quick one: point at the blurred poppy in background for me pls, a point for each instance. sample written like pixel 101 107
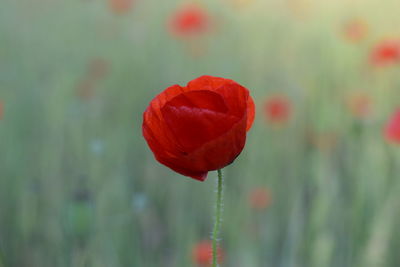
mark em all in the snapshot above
pixel 386 52
pixel 325 141
pixel 259 198
pixel 120 6
pixel 98 68
pixel 85 89
pixel 355 30
pixel 202 254
pixel 200 127
pixel 392 128
pixel 190 20
pixel 278 109
pixel 359 104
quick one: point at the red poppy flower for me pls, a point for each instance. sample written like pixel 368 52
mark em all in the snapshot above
pixel 190 20
pixel 386 52
pixel 278 109
pixel 202 253
pixel 200 127
pixel 120 6
pixel 260 198
pixel 355 30
pixel 392 129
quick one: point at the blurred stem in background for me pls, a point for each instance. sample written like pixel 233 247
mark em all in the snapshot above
pixel 217 223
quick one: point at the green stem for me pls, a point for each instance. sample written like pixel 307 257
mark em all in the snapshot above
pixel 217 223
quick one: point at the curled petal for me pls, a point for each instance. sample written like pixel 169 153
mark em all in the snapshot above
pixel 236 96
pixel 196 117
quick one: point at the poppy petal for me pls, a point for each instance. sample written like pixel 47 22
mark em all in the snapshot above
pixel 235 95
pixel 250 112
pixel 196 117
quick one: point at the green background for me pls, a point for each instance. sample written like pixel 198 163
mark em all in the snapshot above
pixel 79 186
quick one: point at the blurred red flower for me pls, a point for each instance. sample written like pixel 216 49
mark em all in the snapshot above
pixel 85 89
pixel 202 253
pixel 355 30
pixel 278 109
pixel 359 104
pixel 120 6
pixel 98 68
pixel 325 141
pixel 260 198
pixel 386 52
pixel 392 129
pixel 190 20
pixel 200 127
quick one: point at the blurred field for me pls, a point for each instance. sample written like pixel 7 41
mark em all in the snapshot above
pixel 79 186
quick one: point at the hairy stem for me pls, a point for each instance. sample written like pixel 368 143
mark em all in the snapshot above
pixel 217 223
